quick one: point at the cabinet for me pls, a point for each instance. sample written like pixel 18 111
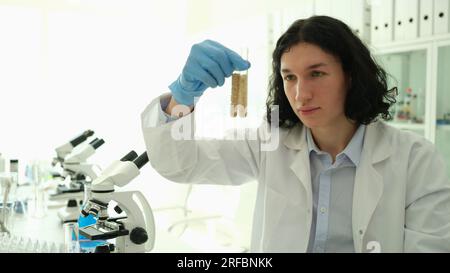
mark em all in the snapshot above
pixel 407 69
pixel 420 70
pixel 442 107
pixel 440 16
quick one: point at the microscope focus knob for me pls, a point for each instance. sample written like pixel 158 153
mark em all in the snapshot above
pixel 118 209
pixel 72 203
pixel 102 249
pixel 138 236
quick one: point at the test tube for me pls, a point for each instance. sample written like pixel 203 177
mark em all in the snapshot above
pixel 29 246
pixel 38 207
pixel 239 83
pixel 234 94
pixel 4 242
pixel 2 163
pixel 6 181
pixel 71 239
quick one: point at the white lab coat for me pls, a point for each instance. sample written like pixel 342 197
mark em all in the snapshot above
pixel 401 199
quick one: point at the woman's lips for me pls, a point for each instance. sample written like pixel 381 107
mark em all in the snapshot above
pixel 308 111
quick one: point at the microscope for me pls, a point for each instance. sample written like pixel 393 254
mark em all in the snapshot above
pixel 76 168
pixel 67 148
pixel 80 175
pixel 136 231
pixel 75 163
pixel 61 152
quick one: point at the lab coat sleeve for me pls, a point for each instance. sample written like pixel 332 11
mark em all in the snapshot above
pixel 154 115
pixel 212 161
pixel 427 219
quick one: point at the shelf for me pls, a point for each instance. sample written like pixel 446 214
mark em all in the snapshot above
pixel 443 127
pixel 410 44
pixel 408 126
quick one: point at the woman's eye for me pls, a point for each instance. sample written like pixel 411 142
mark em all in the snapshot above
pixel 289 77
pixel 317 73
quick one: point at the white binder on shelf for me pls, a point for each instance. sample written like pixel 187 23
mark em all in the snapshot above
pixel 387 21
pixel 440 16
pixel 399 20
pixel 375 22
pixel 411 19
pixel 425 18
pixel 360 18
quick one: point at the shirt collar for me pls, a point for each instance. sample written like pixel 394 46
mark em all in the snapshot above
pixel 311 143
pixel 353 149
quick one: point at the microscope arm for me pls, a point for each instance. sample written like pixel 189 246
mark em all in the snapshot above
pixel 137 230
pixel 139 222
pixel 139 235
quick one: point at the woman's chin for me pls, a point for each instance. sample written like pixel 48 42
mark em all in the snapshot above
pixel 311 123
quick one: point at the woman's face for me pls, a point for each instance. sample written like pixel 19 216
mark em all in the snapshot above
pixel 315 85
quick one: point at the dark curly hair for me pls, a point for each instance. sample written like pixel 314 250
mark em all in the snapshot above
pixel 368 97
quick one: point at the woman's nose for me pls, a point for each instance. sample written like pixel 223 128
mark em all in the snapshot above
pixel 302 93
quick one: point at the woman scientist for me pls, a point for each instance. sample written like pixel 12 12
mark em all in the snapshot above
pixel 340 180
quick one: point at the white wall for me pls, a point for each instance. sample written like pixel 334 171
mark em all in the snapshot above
pixel 68 66
pixel 65 70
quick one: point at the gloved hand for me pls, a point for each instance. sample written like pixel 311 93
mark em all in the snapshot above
pixel 208 64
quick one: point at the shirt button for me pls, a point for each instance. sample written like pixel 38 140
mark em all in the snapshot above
pixel 361 232
pixel 323 210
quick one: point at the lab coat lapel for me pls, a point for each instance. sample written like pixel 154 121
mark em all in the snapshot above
pixel 367 193
pixel 369 183
pixel 300 165
pixel 301 168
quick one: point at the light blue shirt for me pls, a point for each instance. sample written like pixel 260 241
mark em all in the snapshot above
pixel 332 186
pixel 163 116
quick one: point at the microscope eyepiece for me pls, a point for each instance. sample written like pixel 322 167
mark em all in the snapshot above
pixel 81 138
pixel 97 143
pixel 93 141
pixel 88 133
pixel 141 160
pixel 129 157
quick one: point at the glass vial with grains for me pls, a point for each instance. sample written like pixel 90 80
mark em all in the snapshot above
pixel 239 83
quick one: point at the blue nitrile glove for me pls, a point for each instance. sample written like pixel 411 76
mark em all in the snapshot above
pixel 208 64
